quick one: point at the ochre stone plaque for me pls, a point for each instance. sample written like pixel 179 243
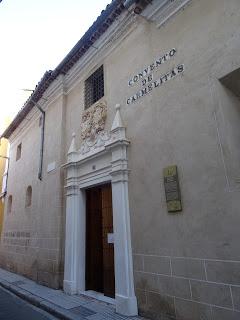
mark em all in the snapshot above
pixel 172 189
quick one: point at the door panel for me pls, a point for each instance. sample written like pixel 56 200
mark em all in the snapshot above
pixel 108 248
pixel 99 253
pixel 94 247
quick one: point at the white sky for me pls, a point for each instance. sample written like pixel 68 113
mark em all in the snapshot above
pixel 34 37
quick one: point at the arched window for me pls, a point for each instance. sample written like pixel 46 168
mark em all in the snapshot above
pixel 9 204
pixel 28 200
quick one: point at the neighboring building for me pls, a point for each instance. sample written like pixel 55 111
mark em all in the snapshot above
pixel 3 177
pixel 174 69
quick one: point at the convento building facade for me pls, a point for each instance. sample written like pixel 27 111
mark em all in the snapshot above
pixel 124 176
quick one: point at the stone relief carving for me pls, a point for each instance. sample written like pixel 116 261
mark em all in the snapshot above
pixel 101 138
pixel 93 121
pixel 99 117
pixel 92 144
pixel 96 138
pixel 86 124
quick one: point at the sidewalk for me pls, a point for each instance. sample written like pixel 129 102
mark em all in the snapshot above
pixel 57 303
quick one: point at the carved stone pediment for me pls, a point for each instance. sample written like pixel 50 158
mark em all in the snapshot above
pixel 93 121
pixel 99 139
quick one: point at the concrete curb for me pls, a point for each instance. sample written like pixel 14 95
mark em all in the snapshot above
pixel 39 302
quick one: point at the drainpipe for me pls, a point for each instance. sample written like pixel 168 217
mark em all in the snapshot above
pixel 40 169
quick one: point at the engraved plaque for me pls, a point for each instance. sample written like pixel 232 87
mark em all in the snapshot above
pixel 172 189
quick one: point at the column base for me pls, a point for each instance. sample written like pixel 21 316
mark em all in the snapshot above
pixel 69 287
pixel 126 306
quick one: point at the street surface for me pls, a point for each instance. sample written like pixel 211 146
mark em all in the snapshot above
pixel 14 308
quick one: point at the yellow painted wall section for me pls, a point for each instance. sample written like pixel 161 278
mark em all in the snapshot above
pixel 3 152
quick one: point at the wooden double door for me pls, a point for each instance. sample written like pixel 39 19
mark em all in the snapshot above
pixel 99 241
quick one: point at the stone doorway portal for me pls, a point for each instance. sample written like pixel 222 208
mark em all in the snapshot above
pixel 99 162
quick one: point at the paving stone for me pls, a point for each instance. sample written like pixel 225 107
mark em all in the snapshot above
pixel 63 301
pixel 18 283
pixel 58 303
pixel 82 311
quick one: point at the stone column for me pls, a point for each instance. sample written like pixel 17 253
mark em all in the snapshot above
pixel 74 271
pixel 70 269
pixel 126 302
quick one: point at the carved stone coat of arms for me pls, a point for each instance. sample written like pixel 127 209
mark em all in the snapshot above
pixel 93 121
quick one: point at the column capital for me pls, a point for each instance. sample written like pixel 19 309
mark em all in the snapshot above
pixel 72 190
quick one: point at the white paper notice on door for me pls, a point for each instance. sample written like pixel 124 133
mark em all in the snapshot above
pixel 110 237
